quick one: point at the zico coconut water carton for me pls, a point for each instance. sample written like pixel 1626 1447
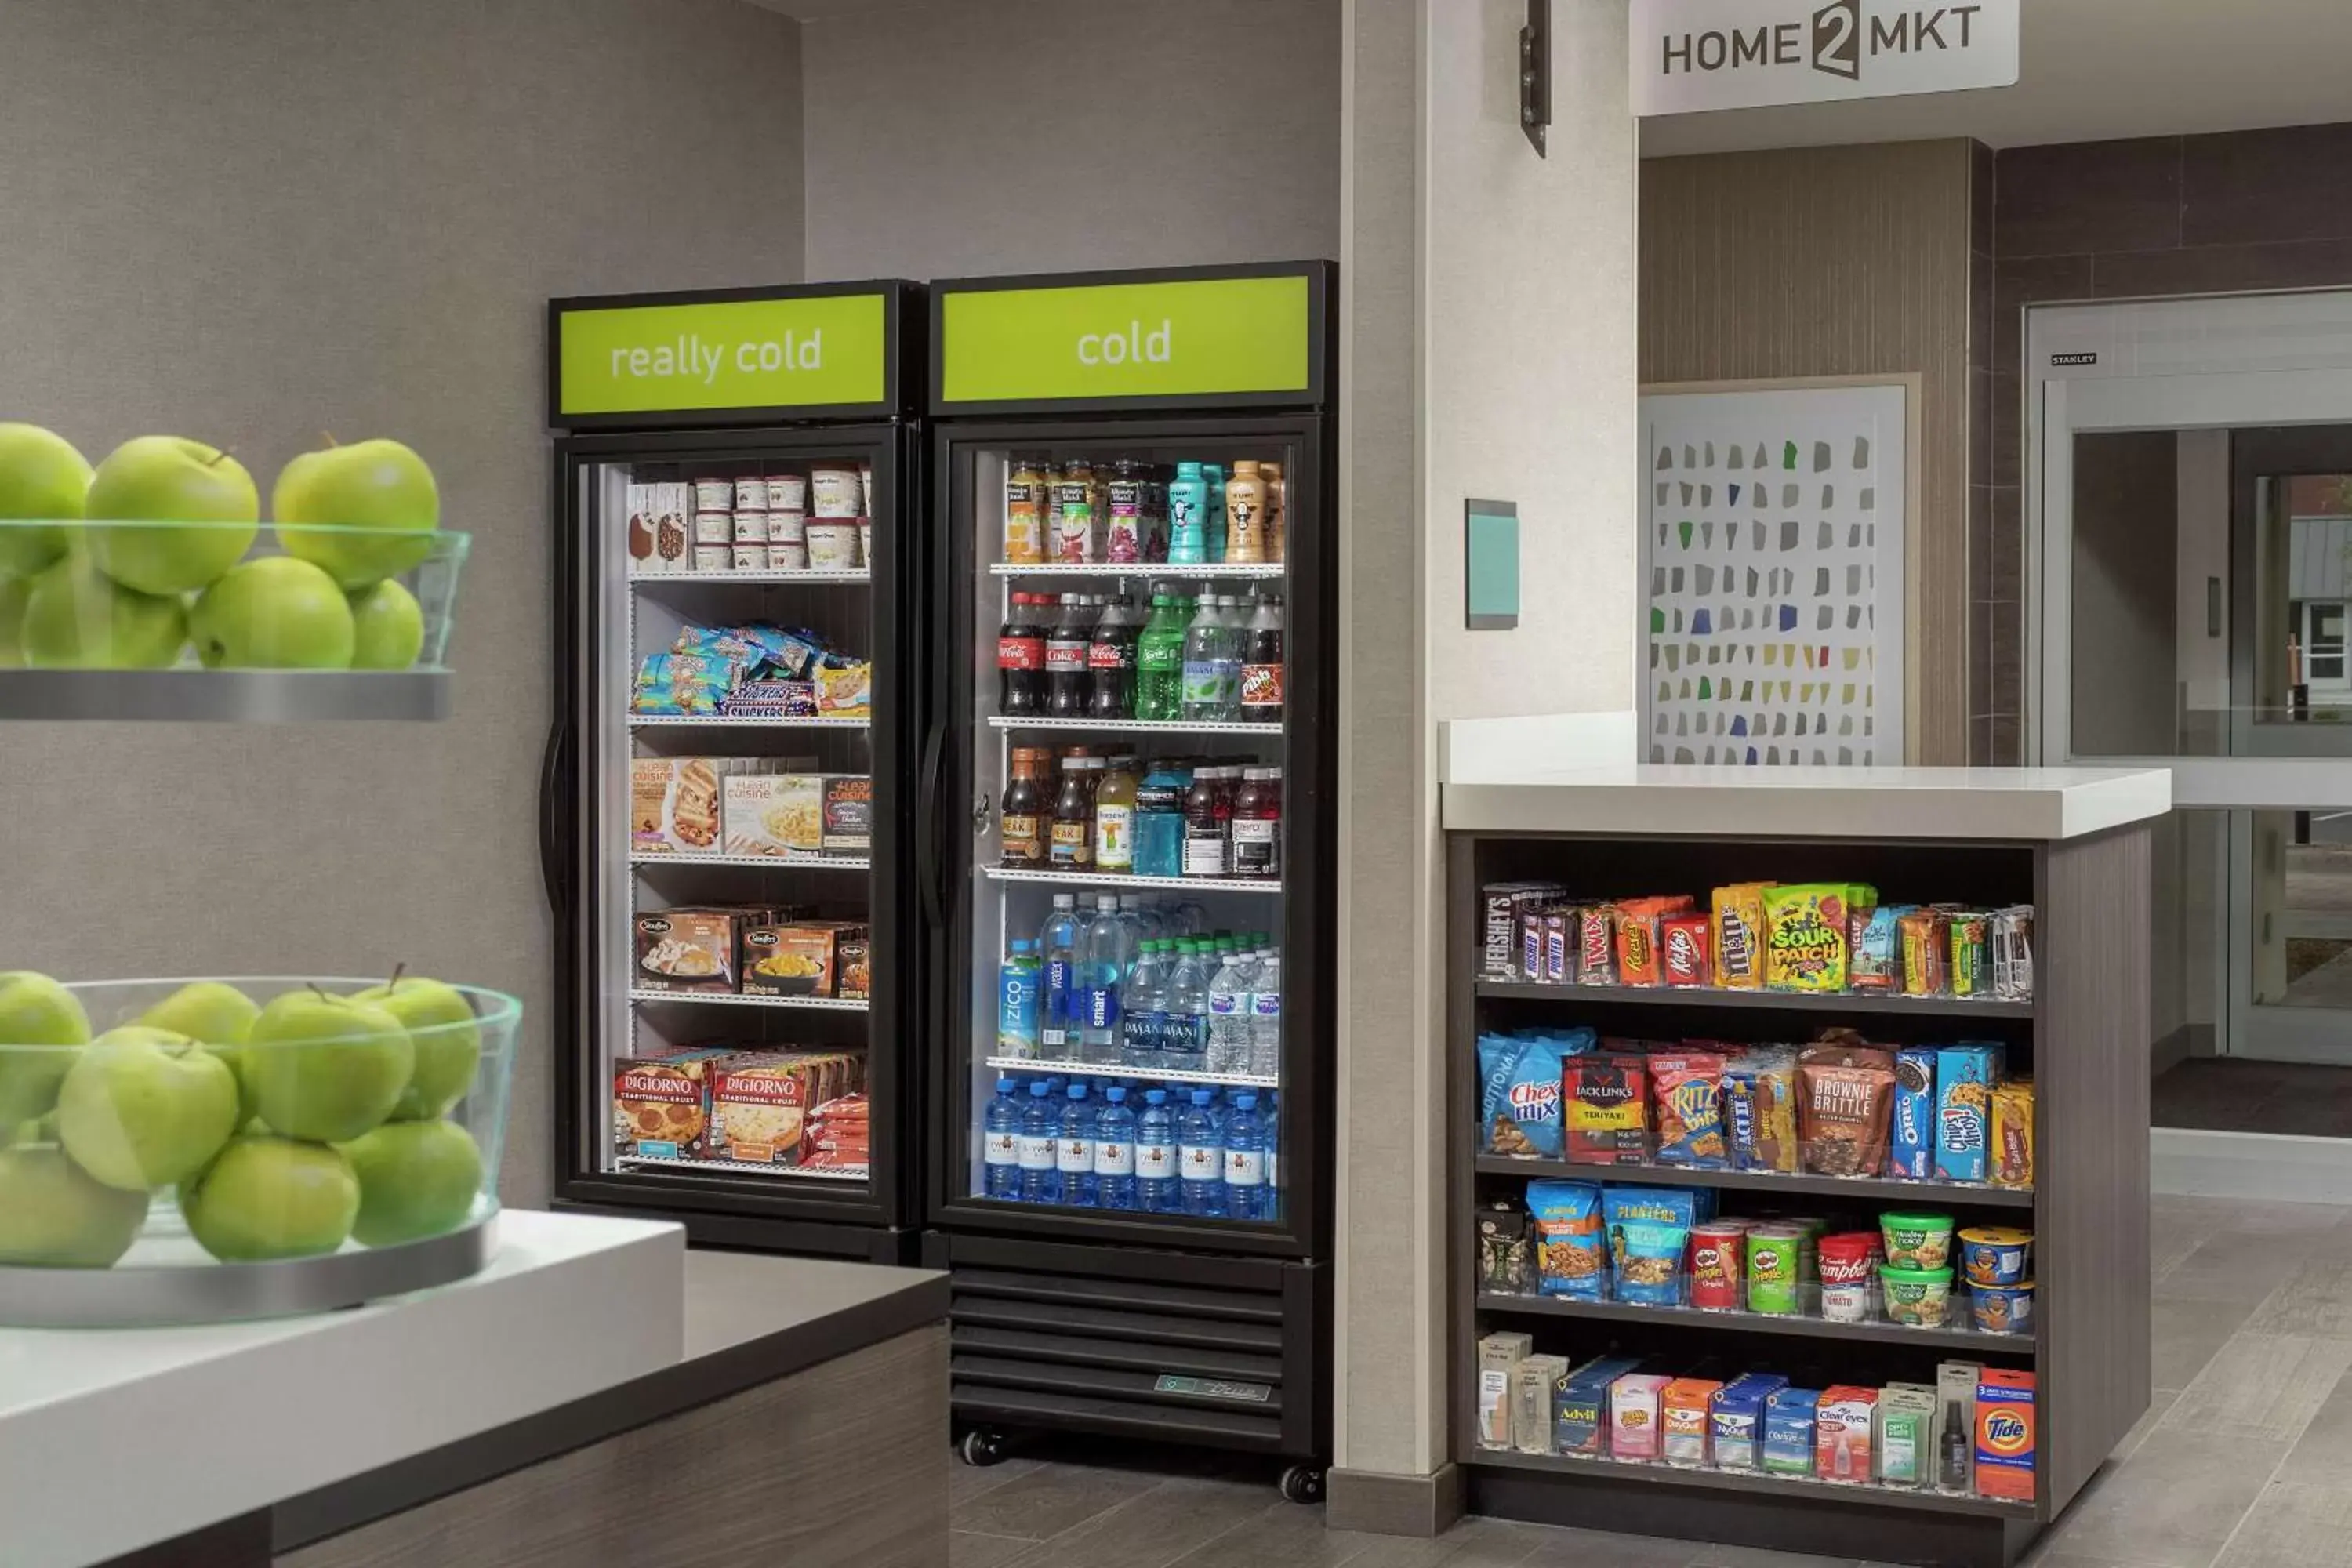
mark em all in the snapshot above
pixel 2005 1435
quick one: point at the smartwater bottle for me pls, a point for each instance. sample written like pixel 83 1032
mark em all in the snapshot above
pixel 1001 1143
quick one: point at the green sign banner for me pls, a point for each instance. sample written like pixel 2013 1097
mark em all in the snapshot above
pixel 735 354
pixel 1197 336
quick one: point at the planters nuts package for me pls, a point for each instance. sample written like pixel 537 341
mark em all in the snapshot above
pixel 2005 1435
pixel 1964 1079
pixel 1913 1153
pixel 1737 1419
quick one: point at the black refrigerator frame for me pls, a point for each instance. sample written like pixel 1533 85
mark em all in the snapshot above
pixel 1022 1276
pixel 876 1222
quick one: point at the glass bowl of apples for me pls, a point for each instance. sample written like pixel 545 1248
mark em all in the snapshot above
pixel 184 1151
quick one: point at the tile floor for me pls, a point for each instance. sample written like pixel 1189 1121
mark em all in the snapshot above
pixel 2244 1460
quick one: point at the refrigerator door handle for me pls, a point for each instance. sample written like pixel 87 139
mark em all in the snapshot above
pixel 930 844
pixel 555 823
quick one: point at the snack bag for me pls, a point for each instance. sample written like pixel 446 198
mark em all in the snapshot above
pixel 1596 945
pixel 1874 957
pixel 2011 1154
pixel 1970 973
pixel 1964 1076
pixel 1607 1110
pixel 1519 1096
pixel 1688 1089
pixel 1639 960
pixel 1649 1270
pixel 1737 931
pixel 1912 1153
pixel 1505 1250
pixel 1922 935
pixel 1680 1208
pixel 1683 945
pixel 1571 1254
pixel 683 683
pixel 1844 1095
pixel 2013 954
pixel 1759 1110
pixel 1805 938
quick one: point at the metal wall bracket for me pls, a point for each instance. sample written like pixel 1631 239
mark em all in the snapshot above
pixel 1535 74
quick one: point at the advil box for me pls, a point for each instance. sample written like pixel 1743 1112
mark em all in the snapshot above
pixel 2005 1435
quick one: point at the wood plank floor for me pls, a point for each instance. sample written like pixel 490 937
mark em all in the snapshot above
pixel 2244 1461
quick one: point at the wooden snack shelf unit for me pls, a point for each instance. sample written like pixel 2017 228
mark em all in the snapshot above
pixel 2084 1036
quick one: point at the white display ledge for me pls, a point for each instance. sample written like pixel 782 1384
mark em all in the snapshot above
pixel 737 999
pixel 739 1168
pixel 773 862
pixel 113 1441
pixel 1076 880
pixel 1646 800
pixel 1147 726
pixel 225 696
pixel 1120 1070
pixel 697 579
pixel 753 721
pixel 1141 569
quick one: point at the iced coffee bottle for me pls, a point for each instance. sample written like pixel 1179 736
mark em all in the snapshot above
pixel 1277 508
pixel 1246 510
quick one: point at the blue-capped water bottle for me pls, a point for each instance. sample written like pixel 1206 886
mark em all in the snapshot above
pixel 1244 1162
pixel 1000 1144
pixel 1040 1142
pixel 1200 1157
pixel 1115 1151
pixel 1075 1155
pixel 1155 1156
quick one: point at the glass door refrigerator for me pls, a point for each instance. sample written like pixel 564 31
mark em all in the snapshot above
pixel 729 776
pixel 1130 811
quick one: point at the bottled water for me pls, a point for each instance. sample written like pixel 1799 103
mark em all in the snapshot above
pixel 1272 1123
pixel 1058 946
pixel 1040 1181
pixel 1201 1158
pixel 1212 664
pixel 1266 1018
pixel 1000 1145
pixel 1229 1018
pixel 1155 1156
pixel 1244 1162
pixel 1106 951
pixel 1183 1027
pixel 1142 1007
pixel 1075 1155
pixel 1115 1151
pixel 1144 916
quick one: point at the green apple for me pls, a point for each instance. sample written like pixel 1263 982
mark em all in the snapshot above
pixel 41 476
pixel 142 1107
pixel 79 618
pixel 15 592
pixel 390 628
pixel 42 1027
pixel 53 1216
pixel 217 1016
pixel 440 1022
pixel 369 484
pixel 326 1068
pixel 274 613
pixel 417 1179
pixel 269 1197
pixel 169 479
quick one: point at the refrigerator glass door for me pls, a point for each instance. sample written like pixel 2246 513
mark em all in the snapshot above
pixel 737 809
pixel 1127 892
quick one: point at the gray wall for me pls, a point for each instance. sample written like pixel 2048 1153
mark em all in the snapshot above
pixel 992 136
pixel 2126 595
pixel 248 220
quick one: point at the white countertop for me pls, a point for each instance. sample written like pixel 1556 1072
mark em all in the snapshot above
pixel 1637 799
pixel 111 1440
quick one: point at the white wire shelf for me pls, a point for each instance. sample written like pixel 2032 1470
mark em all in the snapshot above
pixel 739 1168
pixel 1098 879
pixel 753 721
pixel 1140 569
pixel 734 999
pixel 773 862
pixel 1142 726
pixel 1092 1069
pixel 662 579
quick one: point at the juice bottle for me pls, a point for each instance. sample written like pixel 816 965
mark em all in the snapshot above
pixel 1075 512
pixel 1213 520
pixel 1123 528
pixel 1115 819
pixel 1257 825
pixel 1024 812
pixel 1024 513
pixel 1204 826
pixel 1245 513
pixel 1188 516
pixel 1071 847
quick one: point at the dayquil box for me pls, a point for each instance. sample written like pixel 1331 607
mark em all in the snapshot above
pixel 1789 1431
pixel 1634 1416
pixel 1844 1423
pixel 1737 1419
pixel 2005 1435
pixel 1683 1408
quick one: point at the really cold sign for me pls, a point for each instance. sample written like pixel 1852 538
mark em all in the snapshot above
pixel 1693 54
pixel 812 351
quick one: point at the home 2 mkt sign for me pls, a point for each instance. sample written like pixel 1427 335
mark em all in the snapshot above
pixel 1183 338
pixel 1693 54
pixel 794 352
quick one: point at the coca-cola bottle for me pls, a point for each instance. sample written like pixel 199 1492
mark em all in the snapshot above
pixel 1110 659
pixel 1067 636
pixel 1020 657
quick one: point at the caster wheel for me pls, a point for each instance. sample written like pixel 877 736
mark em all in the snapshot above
pixel 1302 1484
pixel 982 1446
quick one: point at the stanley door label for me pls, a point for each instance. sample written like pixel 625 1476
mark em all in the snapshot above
pixel 803 352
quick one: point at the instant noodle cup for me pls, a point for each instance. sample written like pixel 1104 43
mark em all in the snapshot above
pixel 1995 1253
pixel 1847 1263
pixel 1917 1241
pixel 1916 1297
pixel 2003 1308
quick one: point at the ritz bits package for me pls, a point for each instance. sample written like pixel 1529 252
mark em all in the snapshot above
pixel 1688 1090
pixel 1738 936
pixel 2011 1154
pixel 1806 935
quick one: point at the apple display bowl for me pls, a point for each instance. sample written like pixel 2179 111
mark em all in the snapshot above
pixel 229 621
pixel 344 1148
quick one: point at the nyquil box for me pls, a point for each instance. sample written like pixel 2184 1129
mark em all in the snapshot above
pixel 1737 1419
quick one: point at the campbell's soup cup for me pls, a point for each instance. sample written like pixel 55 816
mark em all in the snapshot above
pixel 1848 1265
